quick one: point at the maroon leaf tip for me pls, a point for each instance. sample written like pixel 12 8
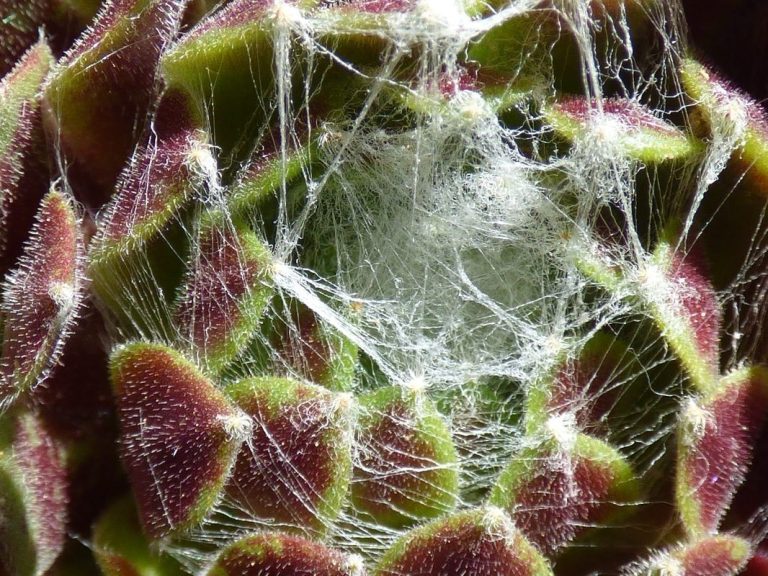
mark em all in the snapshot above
pixel 233 15
pixel 407 465
pixel 179 435
pixel 162 175
pixel 296 467
pixel 42 296
pixel 33 480
pixel 376 6
pixel 718 555
pixel 313 351
pixel 19 27
pixel 103 88
pixel 715 447
pixel 479 542
pixel 276 554
pixel 24 177
pixel 722 555
pixel 627 112
pixel 699 302
pixel 628 128
pixel 587 386
pixel 684 304
pixel 226 291
pixel 554 493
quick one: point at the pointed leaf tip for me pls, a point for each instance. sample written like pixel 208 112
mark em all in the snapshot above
pixel 314 351
pixel 377 6
pixel 297 466
pixel 41 297
pixel 684 304
pixel 160 178
pixel 19 28
pixel 277 554
pixel 718 555
pixel 19 91
pixel 226 291
pixel 715 444
pixel 554 493
pixel 481 542
pixel 621 126
pixel 178 435
pixel 585 387
pixel 33 507
pixel 103 87
pixel 24 177
pixel 407 468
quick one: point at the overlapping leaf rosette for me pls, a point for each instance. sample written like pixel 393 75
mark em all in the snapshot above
pixel 389 287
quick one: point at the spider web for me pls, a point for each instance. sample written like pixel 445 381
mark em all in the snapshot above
pixel 442 238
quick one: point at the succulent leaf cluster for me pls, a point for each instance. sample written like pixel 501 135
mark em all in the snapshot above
pixel 387 287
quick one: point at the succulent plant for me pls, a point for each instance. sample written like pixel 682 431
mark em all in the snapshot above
pixel 386 287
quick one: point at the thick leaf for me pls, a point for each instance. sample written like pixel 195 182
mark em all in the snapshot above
pixel 674 287
pixel 276 554
pixel 543 41
pixel 585 387
pixel 225 64
pixel 102 90
pixel 33 507
pixel 161 177
pixel 715 445
pixel 23 171
pixel 480 542
pixel 718 555
pixel 407 469
pixel 296 468
pixel 22 20
pixel 312 350
pixel 179 435
pixel 226 291
pixel 680 295
pixel 623 126
pixel 555 492
pixel 42 296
